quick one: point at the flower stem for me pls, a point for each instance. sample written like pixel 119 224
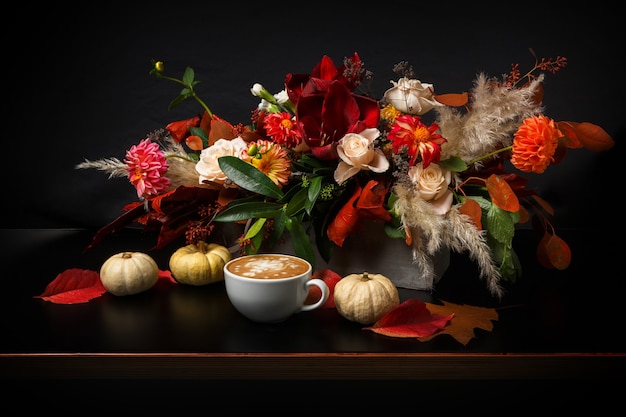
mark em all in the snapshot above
pixel 490 154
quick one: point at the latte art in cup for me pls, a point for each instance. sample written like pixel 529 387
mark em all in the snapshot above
pixel 268 266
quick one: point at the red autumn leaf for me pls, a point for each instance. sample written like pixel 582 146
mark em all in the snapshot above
pixel 410 319
pixel 553 252
pixel 501 194
pixel 372 199
pixel 180 129
pixel 331 278
pixel 587 135
pixel 472 209
pixel 73 286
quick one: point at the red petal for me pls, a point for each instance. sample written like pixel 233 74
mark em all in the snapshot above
pixel 73 286
pixel 180 129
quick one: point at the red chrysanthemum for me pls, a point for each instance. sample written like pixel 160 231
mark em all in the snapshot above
pixel 146 167
pixel 410 134
pixel 282 129
pixel 534 144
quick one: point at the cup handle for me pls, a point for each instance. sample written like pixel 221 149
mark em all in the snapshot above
pixel 325 294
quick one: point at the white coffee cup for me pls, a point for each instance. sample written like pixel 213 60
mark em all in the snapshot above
pixel 270 288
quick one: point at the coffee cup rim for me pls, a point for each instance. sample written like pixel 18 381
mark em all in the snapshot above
pixel 234 275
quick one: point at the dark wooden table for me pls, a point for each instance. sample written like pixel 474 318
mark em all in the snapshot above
pixel 554 327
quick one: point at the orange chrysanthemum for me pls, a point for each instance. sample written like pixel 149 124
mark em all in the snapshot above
pixel 282 129
pixel 146 167
pixel 534 144
pixel 270 158
pixel 408 132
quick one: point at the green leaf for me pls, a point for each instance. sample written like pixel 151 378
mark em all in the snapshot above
pixel 315 186
pixel 256 227
pixel 500 224
pixel 249 210
pixel 188 76
pixel 277 231
pixel 300 240
pixel 298 202
pixel 453 164
pixel 248 177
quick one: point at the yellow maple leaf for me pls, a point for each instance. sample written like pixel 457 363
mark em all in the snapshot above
pixel 466 319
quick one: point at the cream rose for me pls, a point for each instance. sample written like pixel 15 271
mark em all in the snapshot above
pixel 357 153
pixel 411 96
pixel 432 185
pixel 209 168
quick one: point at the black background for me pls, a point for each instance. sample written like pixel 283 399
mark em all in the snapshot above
pixel 77 86
pixel 80 86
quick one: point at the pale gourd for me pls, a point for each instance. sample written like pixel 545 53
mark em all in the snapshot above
pixel 365 298
pixel 128 273
pixel 199 264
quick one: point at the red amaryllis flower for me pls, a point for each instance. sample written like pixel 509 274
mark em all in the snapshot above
pixel 326 108
pixel 350 74
pixel 534 144
pixel 408 132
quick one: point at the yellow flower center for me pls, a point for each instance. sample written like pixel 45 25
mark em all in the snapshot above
pixel 286 123
pixel 421 134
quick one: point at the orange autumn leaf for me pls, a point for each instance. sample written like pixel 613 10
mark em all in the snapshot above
pixel 466 319
pixel 220 129
pixel 410 319
pixel 501 194
pixel 472 209
pixel 452 99
pixel 587 135
pixel 73 286
pixel 553 252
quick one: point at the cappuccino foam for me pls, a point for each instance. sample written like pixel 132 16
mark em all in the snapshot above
pixel 268 266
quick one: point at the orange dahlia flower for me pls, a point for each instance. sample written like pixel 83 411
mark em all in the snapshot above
pixel 269 158
pixel 534 144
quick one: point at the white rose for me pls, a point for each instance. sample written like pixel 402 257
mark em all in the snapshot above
pixel 411 96
pixel 432 185
pixel 209 168
pixel 357 153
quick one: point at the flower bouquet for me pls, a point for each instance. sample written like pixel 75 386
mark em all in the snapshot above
pixel 323 158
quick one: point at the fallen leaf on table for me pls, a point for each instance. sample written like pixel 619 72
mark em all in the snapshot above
pixel 466 319
pixel 73 286
pixel 76 286
pixel 411 319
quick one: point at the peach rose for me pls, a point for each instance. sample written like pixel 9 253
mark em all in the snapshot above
pixel 208 168
pixel 357 153
pixel 432 185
